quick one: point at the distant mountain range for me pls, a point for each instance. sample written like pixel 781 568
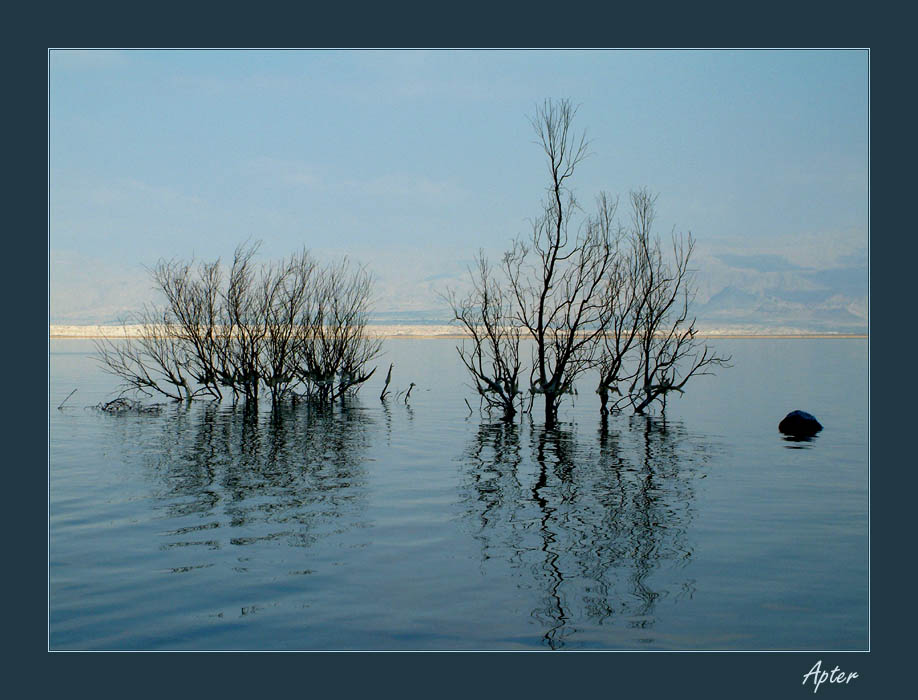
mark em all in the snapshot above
pixel 813 310
pixel 770 291
pixel 756 292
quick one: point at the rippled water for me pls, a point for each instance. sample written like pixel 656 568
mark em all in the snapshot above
pixel 420 526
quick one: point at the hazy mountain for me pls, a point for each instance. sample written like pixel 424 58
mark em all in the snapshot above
pixel 771 291
pixel 754 290
pixel 85 290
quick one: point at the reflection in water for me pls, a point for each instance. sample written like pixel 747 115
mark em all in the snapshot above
pixel 799 442
pixel 287 475
pixel 586 524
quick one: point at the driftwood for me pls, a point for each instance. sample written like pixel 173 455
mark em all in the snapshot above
pixel 406 392
pixel 65 400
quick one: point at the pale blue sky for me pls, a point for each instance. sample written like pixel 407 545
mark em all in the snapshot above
pixel 409 161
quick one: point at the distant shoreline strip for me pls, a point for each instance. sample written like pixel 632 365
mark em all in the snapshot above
pixel 421 332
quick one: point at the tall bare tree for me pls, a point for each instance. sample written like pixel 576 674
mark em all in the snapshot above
pixel 589 292
pixel 557 275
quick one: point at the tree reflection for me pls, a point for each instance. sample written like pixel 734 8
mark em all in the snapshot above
pixel 586 524
pixel 290 473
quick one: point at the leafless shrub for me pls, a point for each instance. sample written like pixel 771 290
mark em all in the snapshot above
pixel 588 291
pixel 492 352
pixel 334 345
pixel 284 291
pixel 664 332
pixel 271 329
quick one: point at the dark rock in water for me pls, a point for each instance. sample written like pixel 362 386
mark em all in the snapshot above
pixel 799 424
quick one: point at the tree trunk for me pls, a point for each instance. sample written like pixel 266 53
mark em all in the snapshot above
pixel 648 399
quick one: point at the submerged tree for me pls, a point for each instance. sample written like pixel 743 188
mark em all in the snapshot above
pixel 669 352
pixel 191 315
pixel 557 275
pixel 622 299
pixel 332 340
pixel 283 328
pixel 588 292
pixel 492 355
pixel 284 292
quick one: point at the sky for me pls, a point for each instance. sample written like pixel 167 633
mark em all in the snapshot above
pixel 410 161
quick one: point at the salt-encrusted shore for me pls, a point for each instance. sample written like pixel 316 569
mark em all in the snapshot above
pixel 134 331
pixel 447 331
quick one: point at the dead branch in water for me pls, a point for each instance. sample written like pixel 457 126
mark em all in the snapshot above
pixel 406 392
pixel 385 390
pixel 65 400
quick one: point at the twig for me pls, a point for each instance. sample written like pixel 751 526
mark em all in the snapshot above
pixel 65 400
pixel 410 387
pixel 467 404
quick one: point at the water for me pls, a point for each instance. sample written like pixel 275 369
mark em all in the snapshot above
pixel 419 526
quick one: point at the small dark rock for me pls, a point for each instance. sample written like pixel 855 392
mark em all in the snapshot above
pixel 799 424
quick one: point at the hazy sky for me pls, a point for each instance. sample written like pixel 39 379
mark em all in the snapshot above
pixel 411 160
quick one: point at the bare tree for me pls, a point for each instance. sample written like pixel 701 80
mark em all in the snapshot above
pixel 193 303
pixel 273 329
pixel 284 289
pixel 589 292
pixel 244 313
pixel 669 351
pixel 350 289
pixel 557 276
pixel 491 353
pixel 624 296
pixel 334 345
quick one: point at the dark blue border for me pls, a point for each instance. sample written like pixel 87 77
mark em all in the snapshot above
pixel 653 674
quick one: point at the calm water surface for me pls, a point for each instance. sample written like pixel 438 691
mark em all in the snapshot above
pixel 419 526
